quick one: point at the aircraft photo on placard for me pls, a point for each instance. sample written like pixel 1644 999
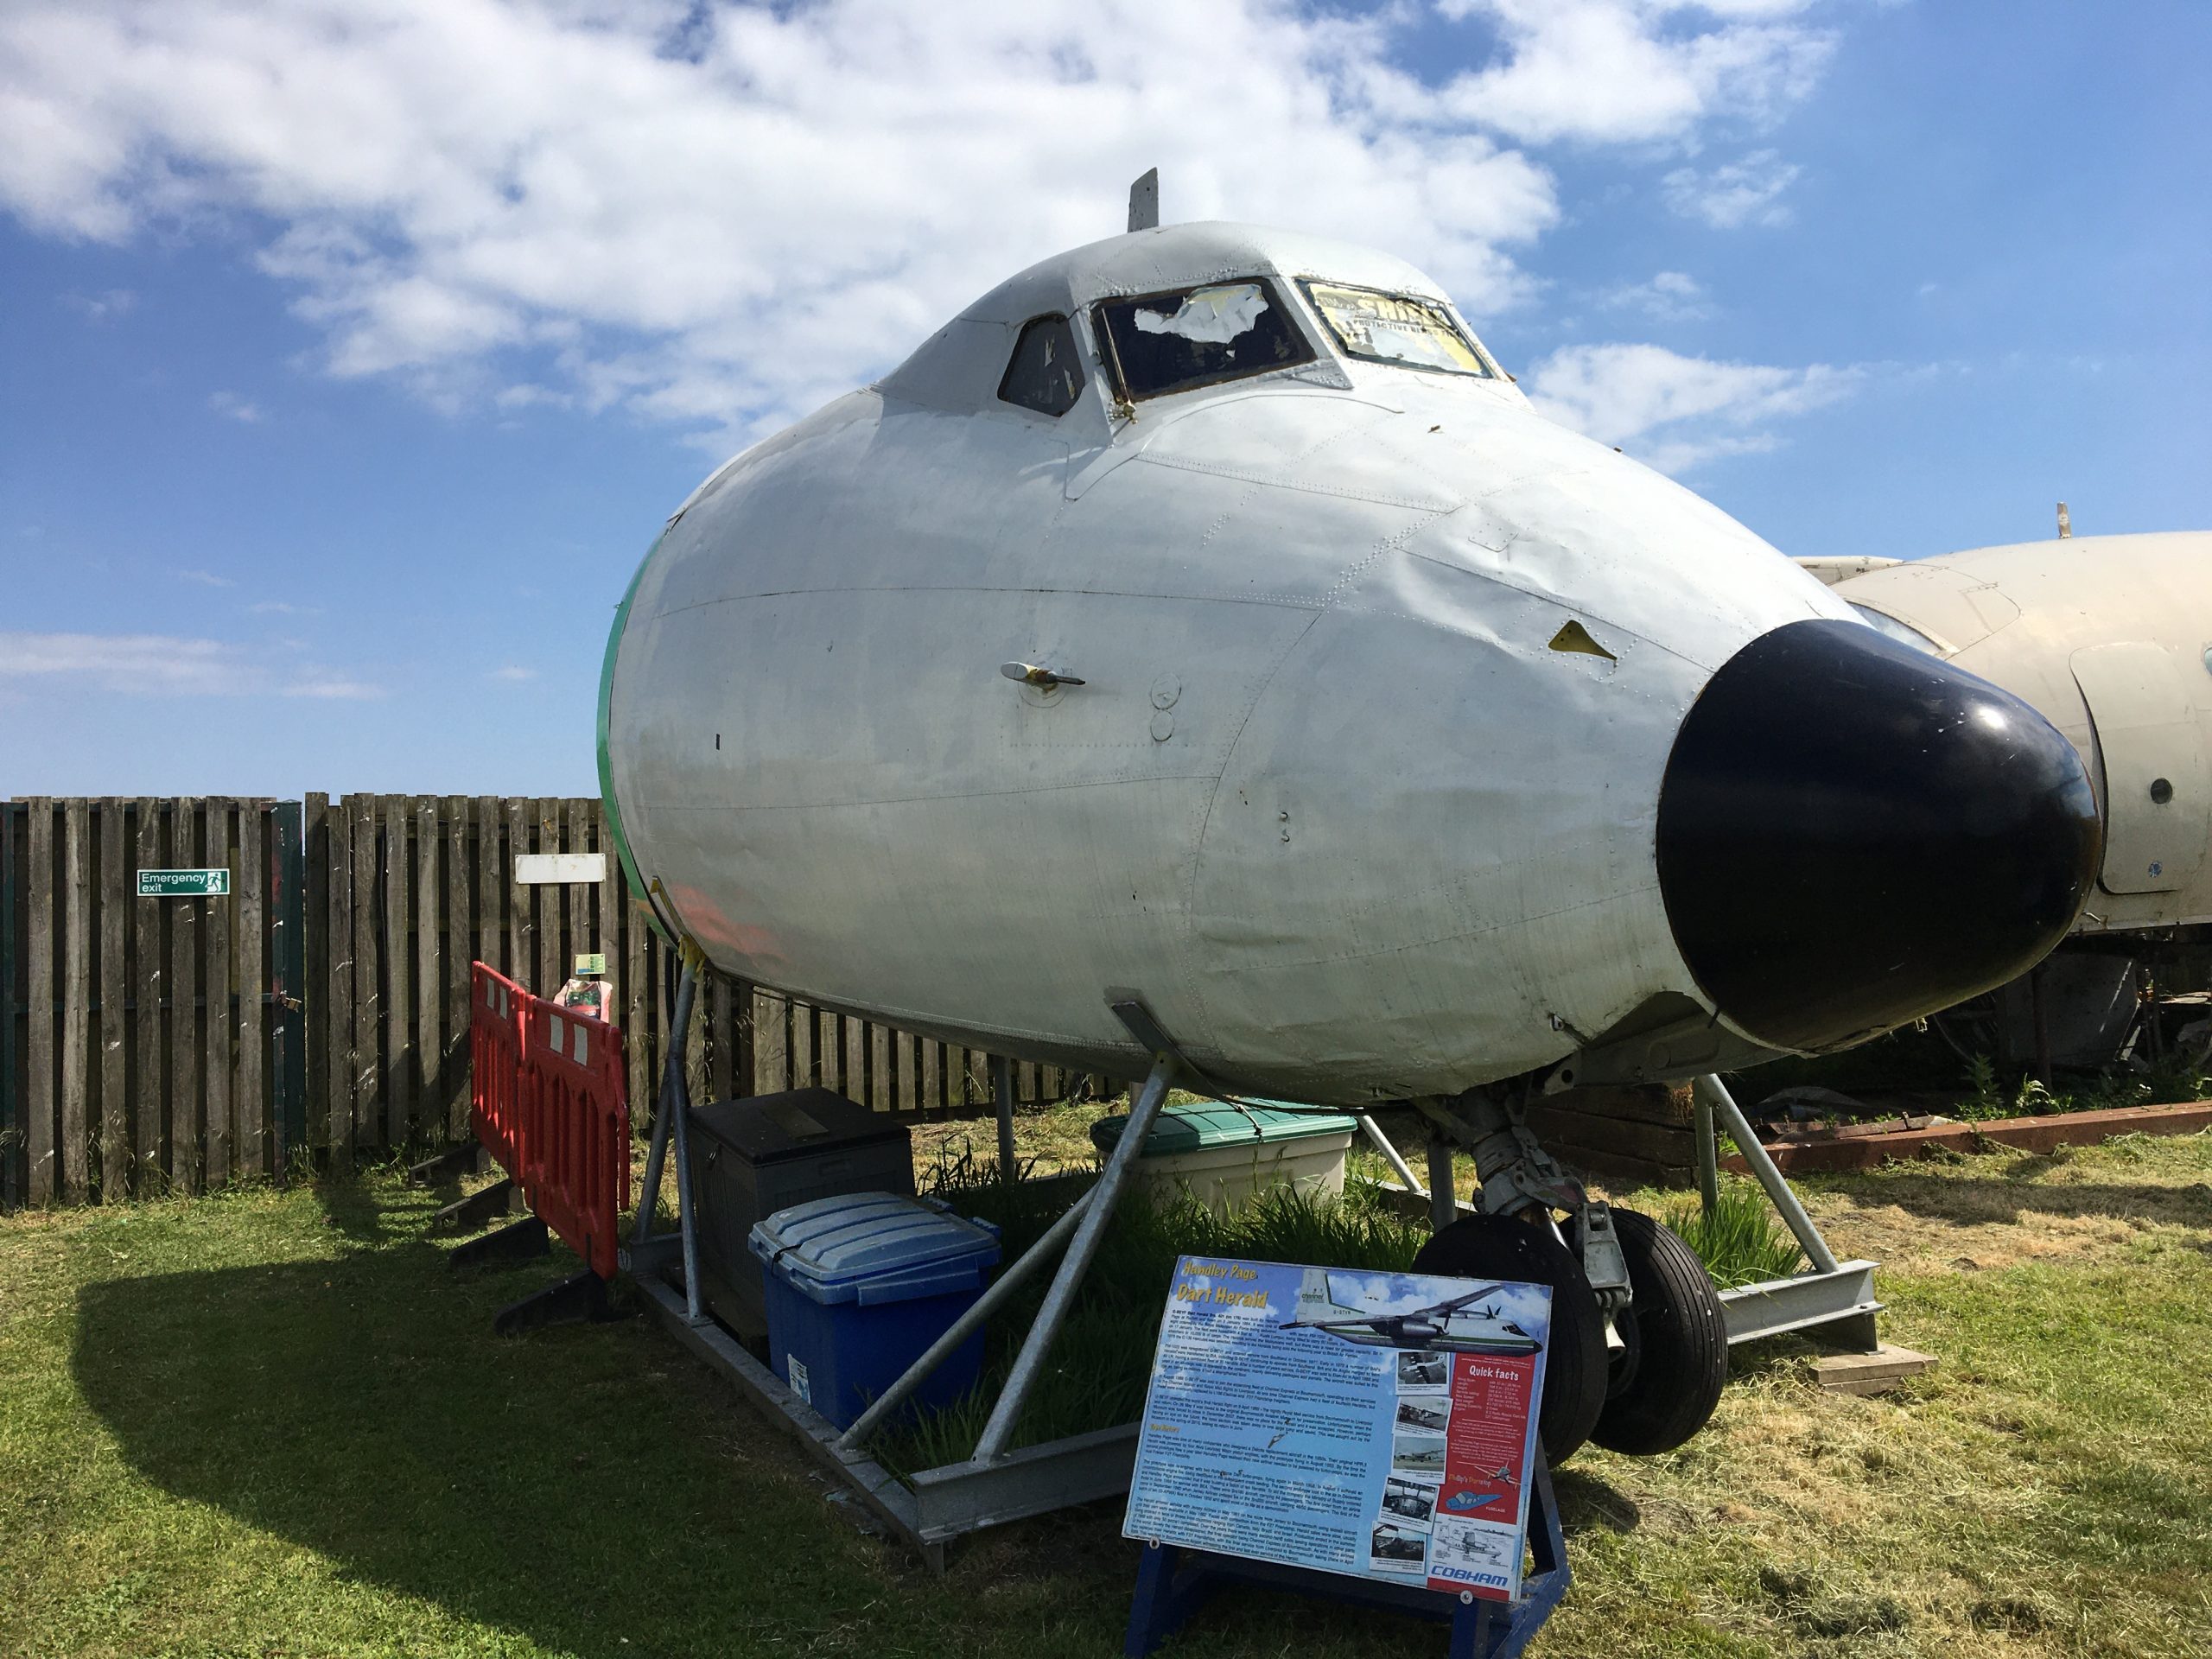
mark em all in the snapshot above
pixel 1472 1324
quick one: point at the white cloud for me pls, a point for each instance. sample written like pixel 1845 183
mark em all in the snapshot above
pixel 719 215
pixel 154 664
pixel 1629 71
pixel 205 579
pixel 280 608
pixel 1669 297
pixel 125 662
pixel 319 685
pixel 238 407
pixel 1674 411
pixel 511 672
pixel 102 308
pixel 1748 192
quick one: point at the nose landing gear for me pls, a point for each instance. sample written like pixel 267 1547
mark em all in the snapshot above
pixel 1639 1348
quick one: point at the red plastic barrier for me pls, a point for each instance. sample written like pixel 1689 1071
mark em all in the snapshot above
pixel 549 1098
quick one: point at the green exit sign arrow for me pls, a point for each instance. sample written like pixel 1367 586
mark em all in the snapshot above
pixel 184 884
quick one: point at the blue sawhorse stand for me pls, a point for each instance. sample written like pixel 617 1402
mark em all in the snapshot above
pixel 1172 1582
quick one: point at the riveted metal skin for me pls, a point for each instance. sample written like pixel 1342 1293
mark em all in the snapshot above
pixel 1852 832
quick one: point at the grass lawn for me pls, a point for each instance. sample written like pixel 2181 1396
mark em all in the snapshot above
pixel 273 1423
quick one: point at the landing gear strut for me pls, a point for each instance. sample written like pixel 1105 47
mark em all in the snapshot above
pixel 1639 1349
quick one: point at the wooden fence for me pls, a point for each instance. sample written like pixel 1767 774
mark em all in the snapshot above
pixel 147 1043
pixel 321 1009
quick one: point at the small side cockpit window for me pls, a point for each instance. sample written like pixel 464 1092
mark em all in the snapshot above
pixel 1045 373
pixel 1158 343
pixel 1399 328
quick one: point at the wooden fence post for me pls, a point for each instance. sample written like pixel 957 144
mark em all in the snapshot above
pixel 11 1191
pixel 186 1124
pixel 249 1136
pixel 75 1032
pixel 149 986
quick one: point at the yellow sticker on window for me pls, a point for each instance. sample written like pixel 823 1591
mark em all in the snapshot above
pixel 1395 329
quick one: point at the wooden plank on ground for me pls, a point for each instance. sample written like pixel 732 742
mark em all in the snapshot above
pixel 1849 1152
pixel 149 989
pixel 116 886
pixel 215 1027
pixel 430 994
pixel 251 1094
pixel 368 973
pixel 75 1034
pixel 188 1128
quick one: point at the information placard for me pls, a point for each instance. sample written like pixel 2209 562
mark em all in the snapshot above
pixel 1379 1425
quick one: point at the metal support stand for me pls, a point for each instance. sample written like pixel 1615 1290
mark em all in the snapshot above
pixel 1173 1583
pixel 1443 1186
pixel 671 1112
pixel 1381 1142
pixel 1002 1090
pixel 1708 1151
pixel 990 1445
pixel 1720 1100
pixel 1836 1296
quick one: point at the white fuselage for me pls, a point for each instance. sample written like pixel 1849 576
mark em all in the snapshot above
pixel 1329 800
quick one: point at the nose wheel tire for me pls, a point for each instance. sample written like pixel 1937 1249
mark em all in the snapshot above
pixel 1498 1247
pixel 1664 1382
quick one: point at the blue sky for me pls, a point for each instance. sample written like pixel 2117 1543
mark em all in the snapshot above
pixel 352 351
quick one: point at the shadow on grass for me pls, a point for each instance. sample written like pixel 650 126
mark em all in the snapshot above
pixel 1952 1197
pixel 574 1486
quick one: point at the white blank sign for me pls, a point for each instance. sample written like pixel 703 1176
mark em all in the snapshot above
pixel 544 869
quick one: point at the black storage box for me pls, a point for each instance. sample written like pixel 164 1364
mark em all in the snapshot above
pixel 751 1158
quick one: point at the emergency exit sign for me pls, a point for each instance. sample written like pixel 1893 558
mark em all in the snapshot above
pixel 184 884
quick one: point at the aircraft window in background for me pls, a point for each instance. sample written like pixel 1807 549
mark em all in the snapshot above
pixel 1903 633
pixel 1397 329
pixel 1158 343
pixel 1045 372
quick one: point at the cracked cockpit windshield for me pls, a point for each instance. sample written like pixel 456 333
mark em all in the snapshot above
pixel 1399 328
pixel 1199 336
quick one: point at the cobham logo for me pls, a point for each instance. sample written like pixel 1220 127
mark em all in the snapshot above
pixel 1464 1576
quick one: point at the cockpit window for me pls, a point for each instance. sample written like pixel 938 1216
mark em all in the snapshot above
pixel 1045 372
pixel 1160 343
pixel 1399 328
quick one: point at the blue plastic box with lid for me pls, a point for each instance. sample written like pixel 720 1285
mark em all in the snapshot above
pixel 859 1286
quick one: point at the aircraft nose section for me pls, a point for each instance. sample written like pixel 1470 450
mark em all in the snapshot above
pixel 1852 834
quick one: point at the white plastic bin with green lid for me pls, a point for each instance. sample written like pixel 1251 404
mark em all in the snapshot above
pixel 1224 1155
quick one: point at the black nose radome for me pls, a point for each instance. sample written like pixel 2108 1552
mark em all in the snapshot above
pixel 1852 834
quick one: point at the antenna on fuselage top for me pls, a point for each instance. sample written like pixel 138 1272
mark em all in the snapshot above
pixel 1144 201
